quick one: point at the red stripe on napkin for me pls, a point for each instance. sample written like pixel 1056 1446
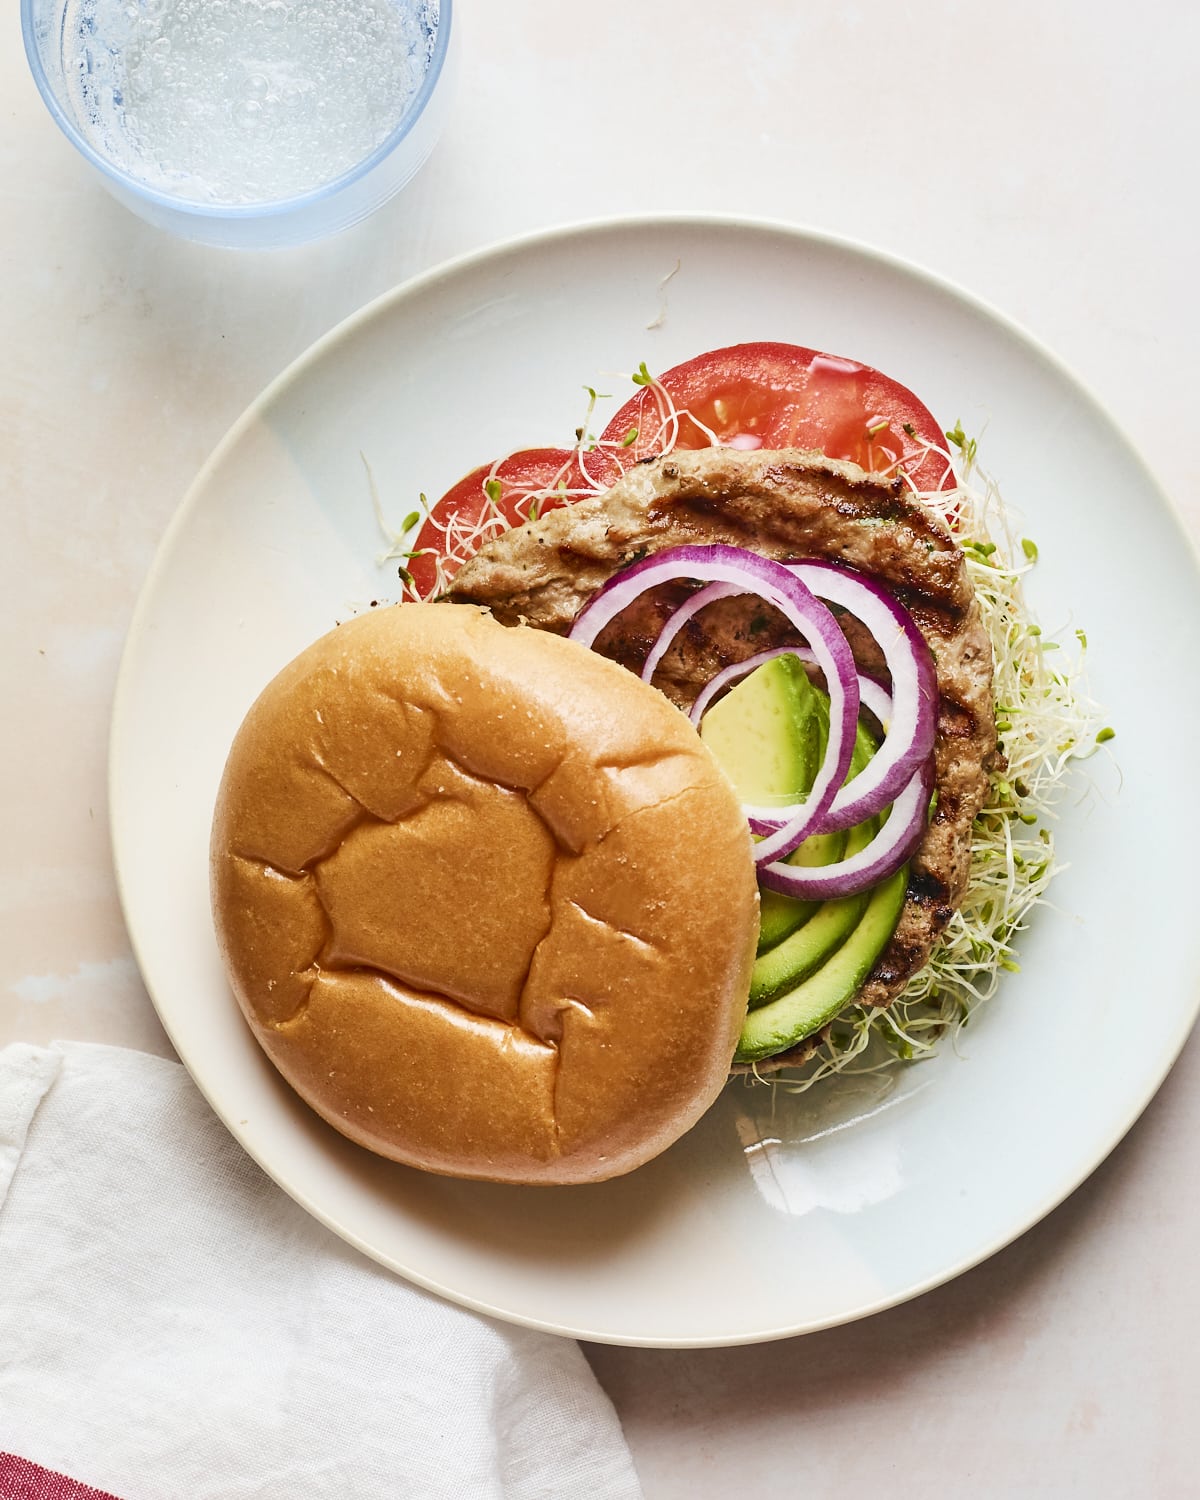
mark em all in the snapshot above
pixel 21 1480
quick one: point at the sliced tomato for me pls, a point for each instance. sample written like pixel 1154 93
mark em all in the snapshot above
pixel 783 396
pixel 762 395
pixel 494 497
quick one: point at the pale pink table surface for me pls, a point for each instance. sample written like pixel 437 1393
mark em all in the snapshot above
pixel 1043 155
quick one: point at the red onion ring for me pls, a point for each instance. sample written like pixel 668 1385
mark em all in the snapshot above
pixel 913 718
pixel 779 586
pixel 873 696
pixel 891 847
pixel 913 726
pixel 686 611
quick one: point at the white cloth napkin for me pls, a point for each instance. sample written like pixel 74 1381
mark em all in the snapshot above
pixel 172 1325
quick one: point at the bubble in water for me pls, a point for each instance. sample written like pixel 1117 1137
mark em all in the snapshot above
pixel 247 113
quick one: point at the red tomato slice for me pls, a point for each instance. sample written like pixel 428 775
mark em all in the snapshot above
pixel 782 396
pixel 537 479
pixel 762 395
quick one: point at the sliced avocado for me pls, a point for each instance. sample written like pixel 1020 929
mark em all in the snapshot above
pixel 794 959
pixel 767 733
pixel 799 1012
pixel 780 916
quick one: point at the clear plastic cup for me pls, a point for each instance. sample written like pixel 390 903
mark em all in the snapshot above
pixel 319 210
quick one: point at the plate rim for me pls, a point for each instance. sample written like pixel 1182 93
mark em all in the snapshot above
pixel 413 287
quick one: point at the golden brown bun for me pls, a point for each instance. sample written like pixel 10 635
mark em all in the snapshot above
pixel 484 897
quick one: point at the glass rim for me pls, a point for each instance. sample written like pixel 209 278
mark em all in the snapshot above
pixel 267 208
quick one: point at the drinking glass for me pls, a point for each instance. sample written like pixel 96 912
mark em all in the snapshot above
pixel 243 89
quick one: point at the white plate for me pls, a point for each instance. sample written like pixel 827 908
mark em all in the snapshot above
pixel 776 1215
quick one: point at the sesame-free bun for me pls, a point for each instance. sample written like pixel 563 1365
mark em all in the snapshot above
pixel 485 899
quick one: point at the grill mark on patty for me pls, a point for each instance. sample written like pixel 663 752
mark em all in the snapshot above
pixel 782 505
pixel 928 888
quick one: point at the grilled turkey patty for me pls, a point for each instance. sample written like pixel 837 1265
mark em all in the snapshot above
pixel 785 505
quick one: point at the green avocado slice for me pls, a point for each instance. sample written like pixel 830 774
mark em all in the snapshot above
pixel 767 732
pixel 779 915
pixel 805 949
pixel 790 1017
